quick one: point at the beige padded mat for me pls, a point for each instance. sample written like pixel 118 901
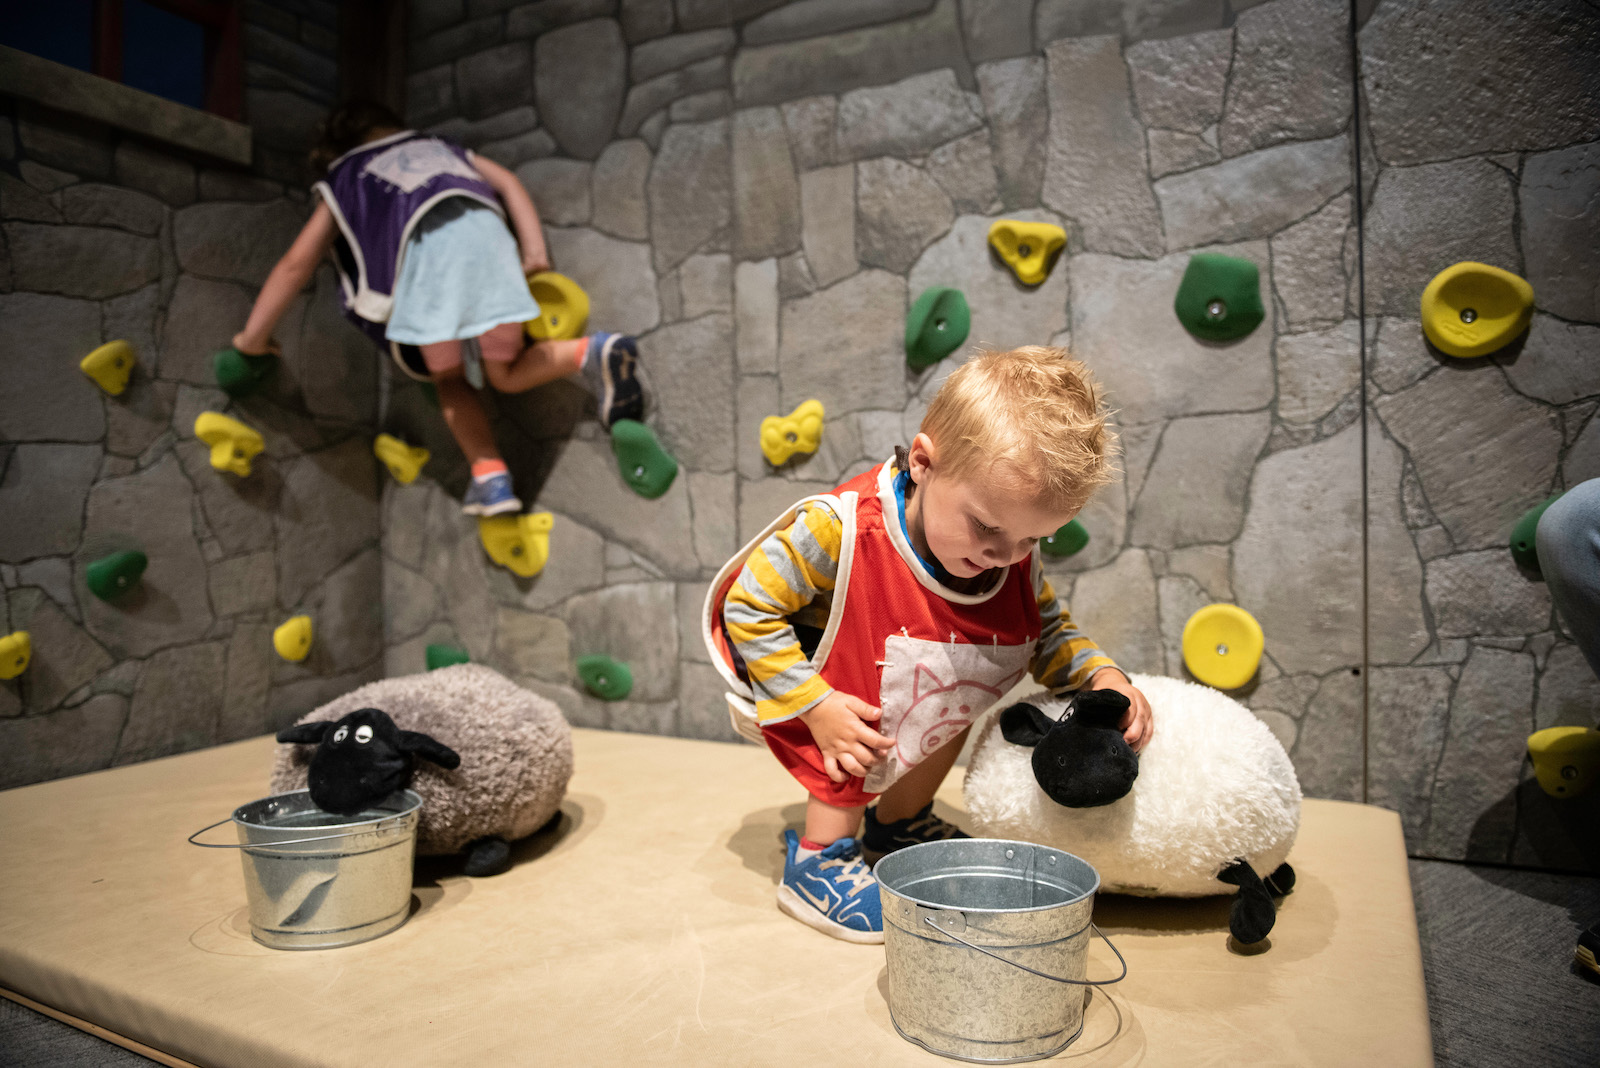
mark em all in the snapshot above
pixel 643 931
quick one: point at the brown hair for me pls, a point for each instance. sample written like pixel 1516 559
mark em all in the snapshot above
pixel 1034 410
pixel 349 125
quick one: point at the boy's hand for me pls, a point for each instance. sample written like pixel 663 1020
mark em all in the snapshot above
pixel 849 747
pixel 1138 725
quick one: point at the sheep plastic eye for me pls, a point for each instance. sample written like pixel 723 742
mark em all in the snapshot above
pixel 340 735
pixel 363 734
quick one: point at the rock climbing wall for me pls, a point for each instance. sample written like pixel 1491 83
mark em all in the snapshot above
pixel 106 237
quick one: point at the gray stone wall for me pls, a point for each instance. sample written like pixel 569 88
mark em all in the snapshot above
pixel 291 77
pixel 106 237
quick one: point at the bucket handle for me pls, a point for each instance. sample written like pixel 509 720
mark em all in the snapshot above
pixel 1042 975
pixel 379 826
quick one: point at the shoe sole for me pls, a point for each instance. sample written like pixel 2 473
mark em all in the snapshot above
pixel 1585 956
pixel 484 511
pixel 799 908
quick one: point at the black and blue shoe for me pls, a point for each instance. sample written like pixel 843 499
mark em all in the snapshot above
pixel 833 891
pixel 878 840
pixel 614 358
pixel 490 495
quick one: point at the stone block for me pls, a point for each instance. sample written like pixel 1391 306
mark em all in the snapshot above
pixel 615 274
pixel 1055 19
pixel 1254 195
pixel 1195 491
pixel 339 481
pixel 80 261
pixel 663 54
pixel 235 242
pixel 755 300
pixel 760 503
pixel 794 276
pixel 712 497
pixel 619 190
pixel 1178 82
pixel 1398 355
pixel 1207 565
pixel 828 214
pixel 202 318
pixel 811 18
pixel 45 179
pixel 43 395
pixel 693 378
pixel 132 318
pixel 645 19
pixel 71 741
pixel 154 172
pixel 513 151
pixel 1559 363
pixel 1308 264
pixel 702 708
pixel 1327 753
pixel 766 193
pixel 577 564
pixel 812 124
pixel 1569 695
pixel 584 485
pixel 65 657
pixel 706 285
pixel 1407 723
pixel 1014 97
pixel 757 398
pixel 996 29
pixel 1291 75
pixel 690 192
pixel 1582 461
pixel 529 644
pixel 247 682
pixel 647 102
pixel 1172 152
pixel 178 704
pixel 899 211
pixel 431 96
pixel 580 74
pixel 291 57
pixel 1561 229
pixel 495 79
pixel 1115 606
pixel 691 601
pixel 711 104
pixel 533 19
pixel 333 362
pixel 57 139
pixel 842 345
pixel 1180 597
pixel 283 120
pixel 964 169
pixel 636 623
pixel 289 701
pixel 237 512
pixel 1479 593
pixel 1316 370
pixel 19 200
pixel 1491 716
pixel 456 41
pixel 907 118
pixel 698 14
pixel 499 125
pixel 348 609
pixel 247 583
pixel 560 190
pixel 53 575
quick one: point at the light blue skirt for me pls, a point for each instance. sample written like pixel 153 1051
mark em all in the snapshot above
pixel 461 276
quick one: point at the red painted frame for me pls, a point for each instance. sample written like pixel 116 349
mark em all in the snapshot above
pixel 222 21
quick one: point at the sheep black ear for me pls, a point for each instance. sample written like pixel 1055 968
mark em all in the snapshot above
pixel 425 747
pixel 1024 724
pixel 305 733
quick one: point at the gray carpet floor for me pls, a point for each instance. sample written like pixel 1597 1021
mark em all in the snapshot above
pixel 1496 950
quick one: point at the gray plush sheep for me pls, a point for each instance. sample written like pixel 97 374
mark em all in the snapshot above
pixel 515 752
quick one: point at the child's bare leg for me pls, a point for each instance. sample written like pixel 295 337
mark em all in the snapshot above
pixel 912 791
pixel 826 824
pixel 463 411
pixel 512 367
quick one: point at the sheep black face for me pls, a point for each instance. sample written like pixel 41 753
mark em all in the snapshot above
pixel 363 758
pixel 1081 761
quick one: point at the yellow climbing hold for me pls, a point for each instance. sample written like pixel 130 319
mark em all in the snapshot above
pixel 110 365
pixel 1028 248
pixel 403 461
pixel 233 444
pixel 292 638
pixel 16 649
pixel 519 543
pixel 1222 646
pixel 1473 309
pixel 563 307
pixel 1566 760
pixel 784 435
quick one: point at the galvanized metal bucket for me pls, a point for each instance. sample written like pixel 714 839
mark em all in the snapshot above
pixel 347 881
pixel 988 944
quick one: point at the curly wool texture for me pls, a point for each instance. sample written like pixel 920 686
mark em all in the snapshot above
pixel 515 746
pixel 1214 785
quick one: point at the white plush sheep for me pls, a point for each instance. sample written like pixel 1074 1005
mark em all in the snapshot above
pixel 1213 797
pixel 515 752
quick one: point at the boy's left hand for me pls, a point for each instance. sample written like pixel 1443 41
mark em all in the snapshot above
pixel 1138 725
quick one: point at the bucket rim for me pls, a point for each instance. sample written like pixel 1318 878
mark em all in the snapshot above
pixel 1082 895
pixel 411 802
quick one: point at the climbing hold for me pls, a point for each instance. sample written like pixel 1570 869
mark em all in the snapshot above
pixel 16 649
pixel 1566 760
pixel 1523 549
pixel 563 307
pixel 292 638
pixel 1028 248
pixel 646 467
pixel 1222 646
pixel 1069 539
pixel 239 373
pixel 112 576
pixel 1473 309
pixel 442 656
pixel 520 543
pixel 110 365
pixel 784 435
pixel 607 679
pixel 936 326
pixel 232 443
pixel 1219 298
pixel 403 461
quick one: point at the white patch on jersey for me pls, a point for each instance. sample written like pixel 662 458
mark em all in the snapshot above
pixel 413 164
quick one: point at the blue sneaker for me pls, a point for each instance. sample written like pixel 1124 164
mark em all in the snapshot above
pixel 490 495
pixel 833 891
pixel 609 368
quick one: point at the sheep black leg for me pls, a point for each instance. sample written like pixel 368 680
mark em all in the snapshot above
pixel 1281 881
pixel 487 856
pixel 1253 913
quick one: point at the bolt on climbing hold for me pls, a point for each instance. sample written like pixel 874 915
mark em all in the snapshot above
pixel 1070 538
pixel 1473 309
pixel 563 307
pixel 1222 646
pixel 403 461
pixel 1028 248
pixel 936 325
pixel 442 656
pixel 1219 298
pixel 16 649
pixel 233 445
pixel 646 467
pixel 292 638
pixel 110 365
pixel 607 679
pixel 1566 760
pixel 518 543
pixel 1524 549
pixel 784 435
pixel 238 373
pixel 112 576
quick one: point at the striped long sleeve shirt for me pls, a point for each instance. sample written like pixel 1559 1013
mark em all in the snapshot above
pixel 788 581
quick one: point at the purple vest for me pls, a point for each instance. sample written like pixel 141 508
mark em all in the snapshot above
pixel 378 192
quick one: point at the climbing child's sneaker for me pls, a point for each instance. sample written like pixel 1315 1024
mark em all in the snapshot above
pixel 1588 951
pixel 881 839
pixel 832 891
pixel 490 495
pixel 610 367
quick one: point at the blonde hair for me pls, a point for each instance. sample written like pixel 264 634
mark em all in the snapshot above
pixel 1035 410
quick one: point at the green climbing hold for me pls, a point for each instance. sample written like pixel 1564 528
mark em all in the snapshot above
pixel 1219 298
pixel 442 656
pixel 112 576
pixel 607 679
pixel 1066 541
pixel 936 326
pixel 239 373
pixel 1523 549
pixel 646 467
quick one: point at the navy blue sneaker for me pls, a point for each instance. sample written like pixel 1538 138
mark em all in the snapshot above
pixel 609 366
pixel 833 891
pixel 878 840
pixel 490 495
